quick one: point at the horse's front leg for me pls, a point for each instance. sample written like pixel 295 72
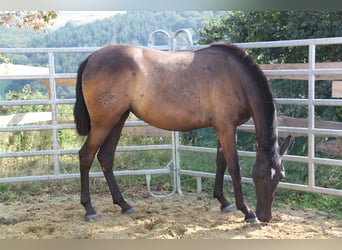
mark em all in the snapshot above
pixel 229 147
pixel 221 166
pixel 106 159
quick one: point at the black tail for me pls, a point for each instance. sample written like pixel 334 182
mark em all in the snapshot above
pixel 81 114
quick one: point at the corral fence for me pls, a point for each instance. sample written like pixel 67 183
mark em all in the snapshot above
pixel 309 127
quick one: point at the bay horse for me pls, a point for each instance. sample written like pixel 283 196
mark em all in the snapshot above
pixel 219 86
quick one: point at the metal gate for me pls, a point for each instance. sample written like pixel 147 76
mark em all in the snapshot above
pixel 173 168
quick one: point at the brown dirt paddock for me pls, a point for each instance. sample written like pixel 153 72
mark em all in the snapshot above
pixel 188 216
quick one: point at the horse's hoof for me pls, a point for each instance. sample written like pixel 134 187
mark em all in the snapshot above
pixel 253 220
pixel 228 209
pixel 129 211
pixel 91 217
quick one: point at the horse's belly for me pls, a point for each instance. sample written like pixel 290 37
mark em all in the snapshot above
pixel 173 117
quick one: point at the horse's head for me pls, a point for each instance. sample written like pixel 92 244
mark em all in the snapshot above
pixel 268 170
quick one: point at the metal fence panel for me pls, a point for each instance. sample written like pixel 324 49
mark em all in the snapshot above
pixel 174 168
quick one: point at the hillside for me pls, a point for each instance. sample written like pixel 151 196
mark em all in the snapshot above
pixel 132 27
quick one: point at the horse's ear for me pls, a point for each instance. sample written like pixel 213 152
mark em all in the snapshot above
pixel 286 145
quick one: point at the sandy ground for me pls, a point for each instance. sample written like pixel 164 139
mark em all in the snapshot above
pixel 61 217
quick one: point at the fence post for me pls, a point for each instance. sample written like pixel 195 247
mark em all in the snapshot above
pixel 172 45
pixel 175 134
pixel 311 115
pixel 54 118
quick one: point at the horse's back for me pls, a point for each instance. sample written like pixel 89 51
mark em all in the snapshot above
pixel 189 90
pixel 171 90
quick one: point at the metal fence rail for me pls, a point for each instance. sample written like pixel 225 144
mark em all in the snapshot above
pixel 174 168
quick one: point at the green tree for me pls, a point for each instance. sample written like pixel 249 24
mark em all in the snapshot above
pixel 271 26
pixel 37 20
pixel 283 25
pixel 276 25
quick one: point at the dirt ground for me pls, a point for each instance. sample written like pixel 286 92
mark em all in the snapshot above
pixel 61 217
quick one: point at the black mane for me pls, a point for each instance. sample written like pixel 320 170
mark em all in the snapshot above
pixel 249 62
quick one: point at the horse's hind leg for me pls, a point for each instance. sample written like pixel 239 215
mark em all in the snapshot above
pixel 221 166
pixel 106 159
pixel 86 156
